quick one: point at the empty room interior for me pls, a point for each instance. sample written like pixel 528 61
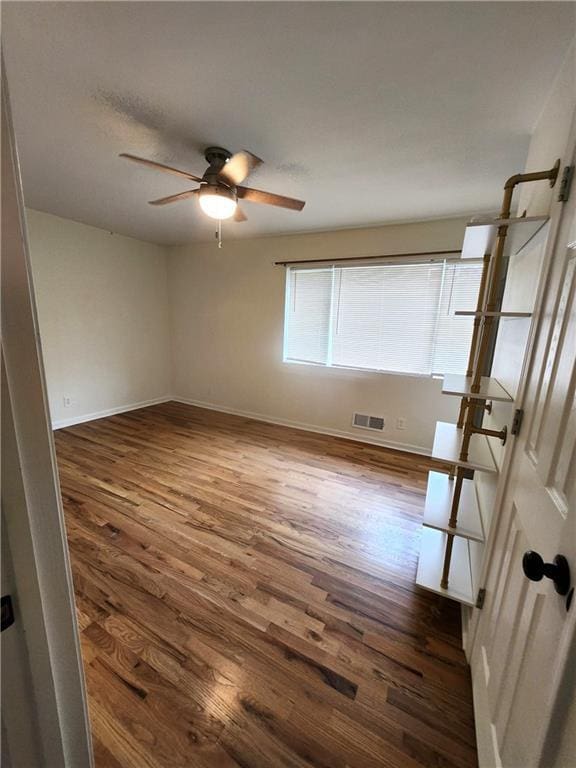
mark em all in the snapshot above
pixel 288 384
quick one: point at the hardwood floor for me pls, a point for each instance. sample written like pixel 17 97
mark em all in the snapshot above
pixel 246 597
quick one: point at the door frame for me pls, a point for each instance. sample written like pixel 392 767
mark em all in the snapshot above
pixel 32 506
pixel 562 682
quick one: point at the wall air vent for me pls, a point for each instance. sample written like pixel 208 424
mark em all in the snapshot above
pixel 360 420
pixel 364 421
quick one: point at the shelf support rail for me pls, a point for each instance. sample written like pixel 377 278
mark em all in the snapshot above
pixel 475 334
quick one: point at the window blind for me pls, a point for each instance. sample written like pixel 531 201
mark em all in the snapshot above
pixel 388 317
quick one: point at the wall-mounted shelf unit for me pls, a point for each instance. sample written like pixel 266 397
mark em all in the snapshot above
pixel 456 514
pixel 460 385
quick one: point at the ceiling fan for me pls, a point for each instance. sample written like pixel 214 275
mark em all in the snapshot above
pixel 220 189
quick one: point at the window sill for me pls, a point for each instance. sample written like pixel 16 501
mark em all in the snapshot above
pixel 350 370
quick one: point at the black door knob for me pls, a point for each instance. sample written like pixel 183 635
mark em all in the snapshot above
pixel 535 569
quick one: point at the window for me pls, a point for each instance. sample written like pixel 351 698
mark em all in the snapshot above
pixel 387 317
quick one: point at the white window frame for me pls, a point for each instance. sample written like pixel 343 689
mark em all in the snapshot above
pixel 329 365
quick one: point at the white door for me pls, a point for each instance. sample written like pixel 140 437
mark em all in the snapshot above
pixel 44 712
pixel 525 630
pixel 19 731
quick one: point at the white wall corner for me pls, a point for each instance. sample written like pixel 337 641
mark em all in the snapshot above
pixel 62 423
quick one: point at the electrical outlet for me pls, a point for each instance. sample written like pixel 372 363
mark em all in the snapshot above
pixel 401 422
pixel 67 401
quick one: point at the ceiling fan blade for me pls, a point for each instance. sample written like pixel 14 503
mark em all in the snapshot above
pixel 268 198
pixel 240 166
pixel 239 215
pixel 161 167
pixel 174 198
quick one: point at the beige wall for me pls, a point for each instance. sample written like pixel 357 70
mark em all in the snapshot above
pixel 227 313
pixel 548 143
pixel 103 313
pixel 104 303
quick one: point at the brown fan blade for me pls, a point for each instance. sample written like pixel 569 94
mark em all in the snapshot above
pixel 240 166
pixel 239 215
pixel 174 198
pixel 161 167
pixel 268 198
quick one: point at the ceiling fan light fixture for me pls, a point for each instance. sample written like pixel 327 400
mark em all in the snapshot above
pixel 217 202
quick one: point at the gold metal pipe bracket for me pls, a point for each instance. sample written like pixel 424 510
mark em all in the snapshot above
pixel 501 434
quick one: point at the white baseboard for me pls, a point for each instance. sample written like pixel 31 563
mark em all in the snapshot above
pixel 346 435
pixel 61 423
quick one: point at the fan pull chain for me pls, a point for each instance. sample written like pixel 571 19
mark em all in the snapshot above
pixel 218 233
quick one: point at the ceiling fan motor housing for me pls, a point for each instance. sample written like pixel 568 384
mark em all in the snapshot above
pixel 217 157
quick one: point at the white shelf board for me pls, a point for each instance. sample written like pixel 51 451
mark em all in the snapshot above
pixel 490 389
pixel 480 235
pixel 474 313
pixel 478 240
pixel 439 504
pixel 431 562
pixel 447 442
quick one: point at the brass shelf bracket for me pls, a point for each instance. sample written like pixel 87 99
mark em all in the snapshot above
pixel 501 434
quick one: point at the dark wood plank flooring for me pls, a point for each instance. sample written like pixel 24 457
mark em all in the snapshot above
pixel 246 597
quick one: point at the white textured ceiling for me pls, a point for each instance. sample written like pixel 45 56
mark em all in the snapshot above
pixel 371 112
